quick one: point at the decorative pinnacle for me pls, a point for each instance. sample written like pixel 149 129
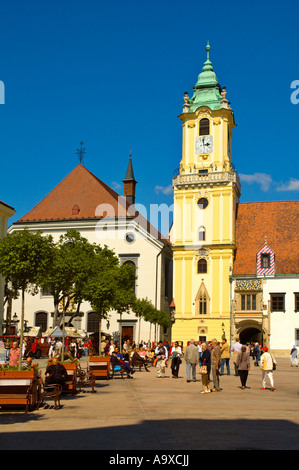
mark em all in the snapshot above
pixel 208 48
pixel 81 152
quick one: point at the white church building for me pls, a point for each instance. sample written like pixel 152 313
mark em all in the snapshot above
pixel 83 202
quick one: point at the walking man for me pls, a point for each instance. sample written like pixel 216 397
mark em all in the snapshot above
pixel 225 357
pixel 215 364
pixel 192 358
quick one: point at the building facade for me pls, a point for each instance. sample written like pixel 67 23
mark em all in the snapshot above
pixel 206 194
pixel 235 265
pixel 83 202
pixel 265 280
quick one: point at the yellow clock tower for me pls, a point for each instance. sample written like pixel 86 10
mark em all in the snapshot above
pixel 206 193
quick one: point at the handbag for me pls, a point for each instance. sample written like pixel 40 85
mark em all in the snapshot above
pixel 203 368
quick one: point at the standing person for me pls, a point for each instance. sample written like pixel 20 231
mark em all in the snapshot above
pixel 14 353
pixel 268 363
pixel 102 346
pixel 85 348
pixel 215 364
pixel 256 354
pixel 7 348
pixel 111 348
pixel 73 348
pixel 58 347
pixel 236 349
pixel 199 347
pixel 191 357
pixel 90 347
pixel 243 366
pixel 52 348
pixel 205 361
pixel 294 360
pixel 225 357
pixel 176 354
pixel 162 355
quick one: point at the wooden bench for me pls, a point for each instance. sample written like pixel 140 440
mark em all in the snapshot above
pixel 116 370
pixel 70 385
pixel 99 366
pixel 19 392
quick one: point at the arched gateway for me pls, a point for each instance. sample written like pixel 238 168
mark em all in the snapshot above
pixel 251 332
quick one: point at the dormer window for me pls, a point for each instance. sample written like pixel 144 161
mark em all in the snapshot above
pixel 204 127
pixel 265 260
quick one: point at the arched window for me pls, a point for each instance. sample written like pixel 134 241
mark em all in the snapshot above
pixel 93 322
pixel 204 127
pixel 131 263
pixel 202 234
pixel 41 320
pixel 202 301
pixel 202 266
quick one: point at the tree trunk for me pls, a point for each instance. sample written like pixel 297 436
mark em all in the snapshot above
pixel 100 335
pixel 56 314
pixel 22 330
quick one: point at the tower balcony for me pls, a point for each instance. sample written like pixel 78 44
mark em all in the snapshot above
pixel 213 178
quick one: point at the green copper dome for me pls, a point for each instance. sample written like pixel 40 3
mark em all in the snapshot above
pixel 207 91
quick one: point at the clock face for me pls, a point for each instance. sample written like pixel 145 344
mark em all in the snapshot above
pixel 204 144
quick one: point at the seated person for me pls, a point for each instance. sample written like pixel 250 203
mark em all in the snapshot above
pixel 126 356
pixel 119 355
pixel 56 373
pixel 123 365
pixel 142 353
pixel 28 364
pixel 149 355
pixel 138 360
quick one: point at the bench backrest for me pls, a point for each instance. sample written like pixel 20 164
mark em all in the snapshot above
pixel 15 386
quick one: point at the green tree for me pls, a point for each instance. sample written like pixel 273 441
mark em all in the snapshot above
pixel 110 287
pixel 72 264
pixel 144 308
pixel 24 257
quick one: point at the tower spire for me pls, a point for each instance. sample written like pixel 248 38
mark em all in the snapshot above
pixel 207 91
pixel 130 182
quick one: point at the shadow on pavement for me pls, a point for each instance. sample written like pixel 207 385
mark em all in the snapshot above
pixel 159 435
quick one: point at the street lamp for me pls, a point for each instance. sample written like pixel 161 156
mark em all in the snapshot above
pixel 223 326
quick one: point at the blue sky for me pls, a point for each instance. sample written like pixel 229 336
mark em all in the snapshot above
pixel 113 74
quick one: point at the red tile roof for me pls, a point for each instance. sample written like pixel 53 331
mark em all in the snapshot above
pixel 277 221
pixel 79 188
pixel 80 196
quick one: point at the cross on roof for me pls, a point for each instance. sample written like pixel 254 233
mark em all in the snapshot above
pixel 81 152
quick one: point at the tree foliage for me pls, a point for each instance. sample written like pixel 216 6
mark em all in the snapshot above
pixel 24 258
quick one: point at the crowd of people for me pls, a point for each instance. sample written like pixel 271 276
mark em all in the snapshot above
pixel 215 356
pixel 212 358
pixel 208 358
pixel 77 348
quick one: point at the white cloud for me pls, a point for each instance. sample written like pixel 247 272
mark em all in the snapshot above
pixel 264 180
pixel 292 185
pixel 115 185
pixel 163 189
